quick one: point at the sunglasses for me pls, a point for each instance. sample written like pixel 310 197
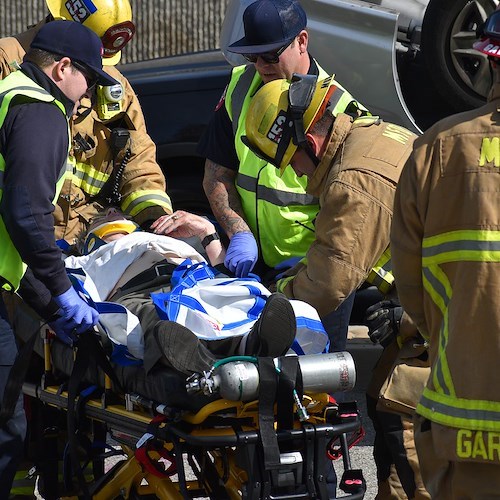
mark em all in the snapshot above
pixel 89 76
pixel 268 57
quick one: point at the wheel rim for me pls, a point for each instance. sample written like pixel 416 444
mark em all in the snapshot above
pixel 471 66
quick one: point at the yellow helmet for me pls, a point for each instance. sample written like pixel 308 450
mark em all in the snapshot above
pixel 111 20
pixel 281 113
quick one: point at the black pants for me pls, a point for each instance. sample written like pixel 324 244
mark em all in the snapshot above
pixel 13 433
pixel 389 449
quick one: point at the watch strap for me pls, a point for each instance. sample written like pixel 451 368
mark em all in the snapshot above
pixel 208 239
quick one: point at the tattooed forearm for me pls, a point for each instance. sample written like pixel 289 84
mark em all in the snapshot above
pixel 219 186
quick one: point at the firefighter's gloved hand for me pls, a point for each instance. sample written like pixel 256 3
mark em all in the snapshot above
pixel 75 316
pixel 242 254
pixel 383 320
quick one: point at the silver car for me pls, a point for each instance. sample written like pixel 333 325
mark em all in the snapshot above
pixel 401 58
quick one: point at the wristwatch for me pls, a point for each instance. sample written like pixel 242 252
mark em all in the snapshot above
pixel 208 239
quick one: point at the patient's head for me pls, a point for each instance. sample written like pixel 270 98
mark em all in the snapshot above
pixel 106 226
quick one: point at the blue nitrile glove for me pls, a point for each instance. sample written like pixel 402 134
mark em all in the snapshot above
pixel 242 254
pixel 75 316
pixel 286 264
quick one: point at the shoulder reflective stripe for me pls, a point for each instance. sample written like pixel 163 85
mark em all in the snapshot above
pixel 239 93
pixel 33 91
pixel 275 196
pixel 36 91
pixel 335 99
pixel 470 414
pixel 140 200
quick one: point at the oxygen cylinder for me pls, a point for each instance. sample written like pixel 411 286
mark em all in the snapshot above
pixel 332 372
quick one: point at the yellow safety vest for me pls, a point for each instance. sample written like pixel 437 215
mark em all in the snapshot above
pixel 12 268
pixel 277 209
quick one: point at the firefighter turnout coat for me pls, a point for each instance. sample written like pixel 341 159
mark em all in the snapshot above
pixel 142 184
pixel 355 182
pixel 446 255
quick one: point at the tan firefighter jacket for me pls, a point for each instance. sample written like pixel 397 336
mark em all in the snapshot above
pixel 142 186
pixel 446 249
pixel 355 182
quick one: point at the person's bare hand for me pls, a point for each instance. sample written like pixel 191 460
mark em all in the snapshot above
pixel 182 224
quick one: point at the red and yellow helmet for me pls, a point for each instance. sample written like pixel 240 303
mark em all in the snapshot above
pixel 111 20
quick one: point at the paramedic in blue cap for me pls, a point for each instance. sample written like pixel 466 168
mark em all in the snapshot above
pixel 267 217
pixel 62 66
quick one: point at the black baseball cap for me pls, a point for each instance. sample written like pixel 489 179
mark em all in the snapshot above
pixel 269 25
pixel 76 41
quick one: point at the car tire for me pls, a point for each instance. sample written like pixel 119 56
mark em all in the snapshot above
pixel 460 74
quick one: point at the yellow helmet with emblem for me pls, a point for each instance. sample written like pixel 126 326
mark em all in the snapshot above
pixel 111 20
pixel 281 113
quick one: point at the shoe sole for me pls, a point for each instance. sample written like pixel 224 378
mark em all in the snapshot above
pixel 278 328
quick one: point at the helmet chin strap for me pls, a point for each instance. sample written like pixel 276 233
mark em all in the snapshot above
pixel 312 156
pixel 299 136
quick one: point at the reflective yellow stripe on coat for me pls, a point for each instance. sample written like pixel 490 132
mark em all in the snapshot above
pixel 381 275
pixel 442 405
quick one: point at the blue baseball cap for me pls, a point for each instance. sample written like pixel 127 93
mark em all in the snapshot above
pixel 76 41
pixel 269 25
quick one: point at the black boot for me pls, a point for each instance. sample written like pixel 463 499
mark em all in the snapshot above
pixel 274 332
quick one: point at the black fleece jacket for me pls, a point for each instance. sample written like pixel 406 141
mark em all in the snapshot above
pixel 34 143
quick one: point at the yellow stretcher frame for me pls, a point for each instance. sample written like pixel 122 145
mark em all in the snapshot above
pixel 131 415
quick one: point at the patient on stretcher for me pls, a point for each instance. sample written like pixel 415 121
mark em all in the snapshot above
pixel 140 271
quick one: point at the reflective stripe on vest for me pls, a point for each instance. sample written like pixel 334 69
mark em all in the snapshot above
pixel 441 404
pixel 381 275
pixel 18 85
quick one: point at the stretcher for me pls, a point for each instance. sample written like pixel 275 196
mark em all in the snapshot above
pixel 210 436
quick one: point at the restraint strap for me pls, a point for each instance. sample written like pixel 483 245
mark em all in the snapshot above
pixel 286 385
pixel 268 385
pixel 162 268
pixel 88 348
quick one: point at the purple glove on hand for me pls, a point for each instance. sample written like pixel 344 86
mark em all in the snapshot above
pixel 242 254
pixel 75 316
